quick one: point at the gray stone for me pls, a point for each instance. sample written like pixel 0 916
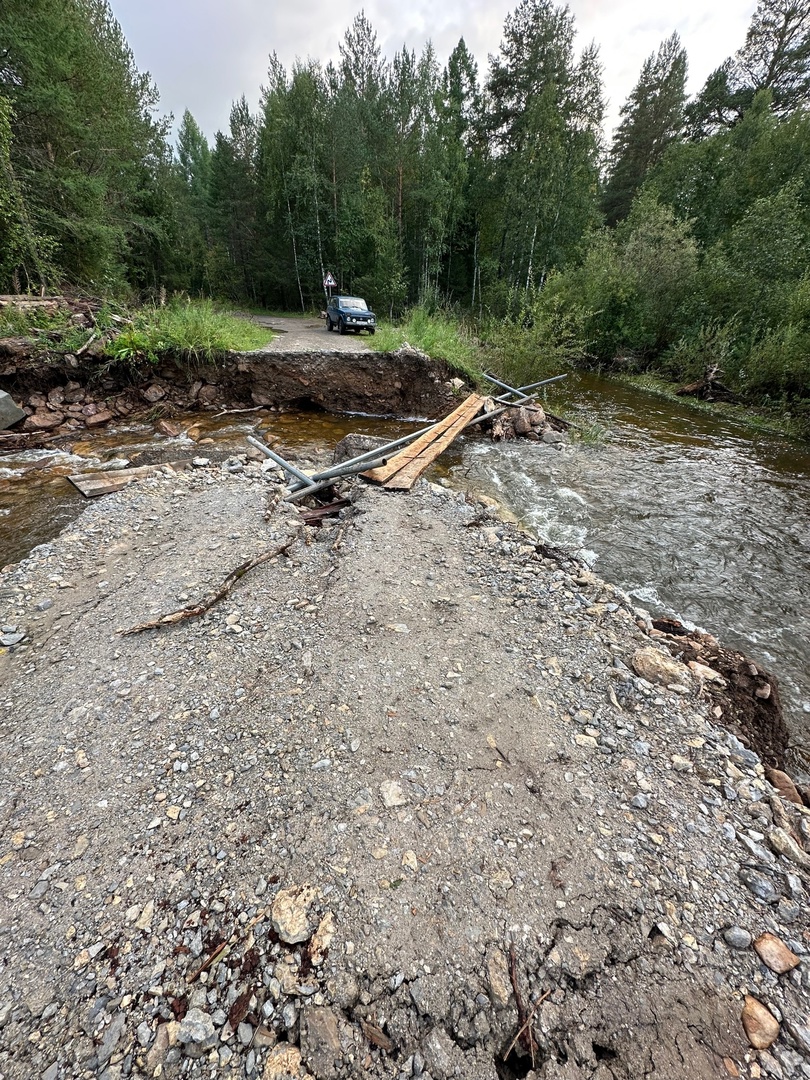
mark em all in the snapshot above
pixel 440 1054
pixel 52 1072
pixel 10 413
pixel 111 1037
pixel 800 1034
pixel 144 1034
pixel 353 445
pixel 757 851
pixel 761 886
pixel 737 937
pixel 197 1029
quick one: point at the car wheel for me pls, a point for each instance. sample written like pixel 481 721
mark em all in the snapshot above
pixel 328 324
pixel 341 326
pixel 371 330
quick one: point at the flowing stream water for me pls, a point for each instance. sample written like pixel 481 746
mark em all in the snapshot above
pixel 691 514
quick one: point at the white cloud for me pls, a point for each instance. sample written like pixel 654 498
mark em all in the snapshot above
pixel 204 55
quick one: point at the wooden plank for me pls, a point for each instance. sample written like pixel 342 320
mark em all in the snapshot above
pixel 468 408
pixel 104 483
pixel 410 473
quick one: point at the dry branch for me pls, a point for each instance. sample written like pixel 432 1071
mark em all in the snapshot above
pixel 208 602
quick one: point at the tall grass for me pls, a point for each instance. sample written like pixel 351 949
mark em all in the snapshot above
pixel 194 331
pixel 442 338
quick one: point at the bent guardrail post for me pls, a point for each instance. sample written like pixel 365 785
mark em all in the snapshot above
pixel 366 458
pixel 522 389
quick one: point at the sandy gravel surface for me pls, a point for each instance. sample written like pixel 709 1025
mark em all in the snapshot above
pixel 398 806
pixel 308 335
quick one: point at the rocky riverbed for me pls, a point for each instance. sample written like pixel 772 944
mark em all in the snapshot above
pixel 399 805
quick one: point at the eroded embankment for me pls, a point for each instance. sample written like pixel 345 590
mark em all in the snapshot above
pixel 65 394
pixel 397 806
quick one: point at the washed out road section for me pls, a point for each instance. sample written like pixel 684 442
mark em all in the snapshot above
pixel 397 805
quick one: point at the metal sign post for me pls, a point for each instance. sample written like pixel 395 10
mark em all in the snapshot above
pixel 329 283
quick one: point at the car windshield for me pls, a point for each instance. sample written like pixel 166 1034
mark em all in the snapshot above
pixel 353 303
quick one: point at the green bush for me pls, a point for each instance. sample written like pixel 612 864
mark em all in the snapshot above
pixel 440 336
pixel 546 337
pixel 709 345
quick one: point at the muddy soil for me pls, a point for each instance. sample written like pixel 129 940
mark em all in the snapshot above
pixel 397 806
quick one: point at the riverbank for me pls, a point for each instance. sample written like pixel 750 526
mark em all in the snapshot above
pixel 394 804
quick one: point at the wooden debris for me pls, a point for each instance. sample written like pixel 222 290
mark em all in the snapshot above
pixel 377 1036
pixel 208 602
pixel 405 468
pixel 525 1035
pixel 48 304
pixel 103 483
pixel 316 516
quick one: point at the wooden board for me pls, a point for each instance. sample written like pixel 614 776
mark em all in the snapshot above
pixel 104 483
pixel 405 468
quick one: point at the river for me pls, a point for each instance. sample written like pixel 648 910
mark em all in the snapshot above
pixel 691 514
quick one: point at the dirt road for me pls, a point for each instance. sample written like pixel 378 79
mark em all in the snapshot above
pixel 308 335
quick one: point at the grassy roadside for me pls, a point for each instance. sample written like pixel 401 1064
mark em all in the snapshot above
pixel 194 331
pixel 440 337
pixel 756 418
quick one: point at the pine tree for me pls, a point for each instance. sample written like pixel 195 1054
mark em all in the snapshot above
pixel 775 57
pixel 544 121
pixel 193 171
pixel 85 145
pixel 652 118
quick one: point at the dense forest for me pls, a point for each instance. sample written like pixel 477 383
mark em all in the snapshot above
pixel 681 245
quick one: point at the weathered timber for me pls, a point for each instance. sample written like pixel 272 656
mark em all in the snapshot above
pixel 104 483
pixel 403 470
pixel 316 516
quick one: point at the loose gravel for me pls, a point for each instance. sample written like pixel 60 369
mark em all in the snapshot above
pixel 398 806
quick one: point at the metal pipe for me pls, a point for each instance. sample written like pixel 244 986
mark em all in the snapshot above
pixel 303 492
pixel 376 452
pixel 285 465
pixel 340 470
pixel 532 386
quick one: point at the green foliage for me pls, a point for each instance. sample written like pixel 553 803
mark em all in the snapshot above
pixel 704 346
pixel 84 146
pixel 775 58
pixel 546 337
pixel 652 118
pixel 440 336
pixel 632 283
pixel 193 331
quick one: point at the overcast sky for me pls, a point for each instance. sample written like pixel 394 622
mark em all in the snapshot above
pixel 204 54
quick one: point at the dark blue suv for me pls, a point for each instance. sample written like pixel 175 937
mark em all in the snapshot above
pixel 349 313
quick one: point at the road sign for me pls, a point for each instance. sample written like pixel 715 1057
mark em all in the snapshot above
pixel 329 282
